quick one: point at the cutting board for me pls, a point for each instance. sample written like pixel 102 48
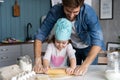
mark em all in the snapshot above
pixel 16 9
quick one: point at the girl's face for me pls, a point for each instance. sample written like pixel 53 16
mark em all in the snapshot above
pixel 61 44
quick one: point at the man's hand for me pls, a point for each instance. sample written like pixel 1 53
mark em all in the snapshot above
pixel 38 68
pixel 80 70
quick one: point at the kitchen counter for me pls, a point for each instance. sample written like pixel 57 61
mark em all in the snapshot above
pixel 15 43
pixel 95 72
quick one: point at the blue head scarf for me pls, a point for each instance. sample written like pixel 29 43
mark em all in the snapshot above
pixel 63 29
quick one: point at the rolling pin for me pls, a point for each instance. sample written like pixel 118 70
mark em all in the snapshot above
pixel 56 71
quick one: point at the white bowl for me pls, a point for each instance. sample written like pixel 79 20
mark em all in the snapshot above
pixel 111 75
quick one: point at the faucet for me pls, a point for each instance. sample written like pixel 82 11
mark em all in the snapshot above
pixel 29 25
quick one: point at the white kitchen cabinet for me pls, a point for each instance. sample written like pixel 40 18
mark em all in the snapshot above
pixel 10 52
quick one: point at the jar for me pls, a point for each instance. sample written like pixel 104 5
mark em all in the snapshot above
pixel 113 66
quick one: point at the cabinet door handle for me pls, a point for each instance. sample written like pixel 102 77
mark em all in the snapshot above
pixel 4 49
pixel 4 57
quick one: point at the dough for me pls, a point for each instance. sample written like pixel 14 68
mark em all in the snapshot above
pixel 54 77
pixel 42 77
pixel 51 77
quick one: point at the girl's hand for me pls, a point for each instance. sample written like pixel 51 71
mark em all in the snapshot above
pixel 70 71
pixel 46 69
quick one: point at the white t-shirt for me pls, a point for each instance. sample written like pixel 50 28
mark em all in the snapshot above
pixel 75 39
pixel 58 58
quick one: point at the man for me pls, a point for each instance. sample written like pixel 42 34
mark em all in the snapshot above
pixel 87 37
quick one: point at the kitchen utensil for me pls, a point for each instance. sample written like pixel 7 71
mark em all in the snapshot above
pixel 113 61
pixel 112 75
pixel 113 66
pixel 16 9
pixel 56 71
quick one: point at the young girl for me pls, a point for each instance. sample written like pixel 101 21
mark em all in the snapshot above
pixel 59 50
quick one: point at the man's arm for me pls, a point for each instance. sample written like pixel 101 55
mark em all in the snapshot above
pixel 81 70
pixel 91 55
pixel 37 55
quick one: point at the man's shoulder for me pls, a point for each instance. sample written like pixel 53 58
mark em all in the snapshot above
pixel 87 7
pixel 88 10
pixel 57 10
pixel 57 7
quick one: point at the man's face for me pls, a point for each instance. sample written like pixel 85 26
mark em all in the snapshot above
pixel 71 13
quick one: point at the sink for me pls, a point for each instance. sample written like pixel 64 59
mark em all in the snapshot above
pixel 30 40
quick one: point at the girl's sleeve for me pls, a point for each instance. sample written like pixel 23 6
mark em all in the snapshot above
pixel 70 51
pixel 48 52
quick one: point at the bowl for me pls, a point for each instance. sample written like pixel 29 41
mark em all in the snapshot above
pixel 112 75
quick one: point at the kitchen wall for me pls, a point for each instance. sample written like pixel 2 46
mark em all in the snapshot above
pixel 32 10
pixel 111 28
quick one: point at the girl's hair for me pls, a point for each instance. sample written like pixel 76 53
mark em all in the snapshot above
pixel 52 40
pixel 72 3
